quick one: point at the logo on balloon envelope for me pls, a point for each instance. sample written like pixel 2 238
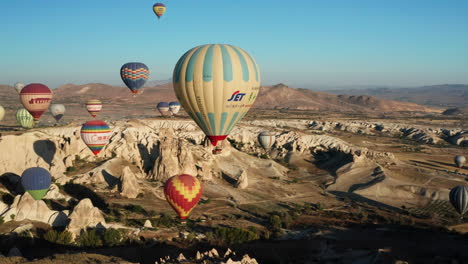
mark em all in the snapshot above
pixel 237 96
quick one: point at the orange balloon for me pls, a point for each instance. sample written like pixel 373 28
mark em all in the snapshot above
pixel 183 193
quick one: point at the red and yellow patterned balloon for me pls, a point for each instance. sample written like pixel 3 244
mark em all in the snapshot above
pixel 183 192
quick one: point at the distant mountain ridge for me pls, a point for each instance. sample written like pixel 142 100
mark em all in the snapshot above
pixel 444 95
pixel 278 96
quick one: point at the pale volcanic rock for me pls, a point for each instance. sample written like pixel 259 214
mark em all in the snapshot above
pixel 85 215
pixel 129 184
pixel 25 207
pixel 54 193
pixel 148 224
pixel 242 181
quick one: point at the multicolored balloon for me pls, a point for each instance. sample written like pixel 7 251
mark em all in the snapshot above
pixel 36 181
pixel 36 99
pixel 159 9
pixel 459 161
pixel 24 118
pixel 94 107
pixel 266 139
pixel 134 75
pixel 19 86
pixel 57 110
pixel 183 193
pixel 163 108
pixel 174 107
pixel 459 199
pixel 217 85
pixel 96 135
pixel 2 112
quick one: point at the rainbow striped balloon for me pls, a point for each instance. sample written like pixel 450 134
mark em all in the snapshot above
pixel 134 75
pixel 183 192
pixel 95 135
pixel 94 107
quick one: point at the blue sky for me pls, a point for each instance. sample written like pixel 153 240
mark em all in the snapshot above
pixel 303 43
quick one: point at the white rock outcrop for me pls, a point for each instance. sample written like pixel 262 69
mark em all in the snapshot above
pixel 129 184
pixel 85 215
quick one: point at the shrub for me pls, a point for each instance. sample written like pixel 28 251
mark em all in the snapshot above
pixel 231 235
pixel 12 216
pixel 112 237
pixel 135 209
pixel 264 156
pixel 89 239
pixel 62 238
pixel 274 223
pixel 205 201
pixel 1 220
pixel 71 169
pixel 164 220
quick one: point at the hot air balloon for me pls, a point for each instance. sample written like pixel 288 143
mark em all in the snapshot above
pixel 217 85
pixel 24 118
pixel 36 99
pixel 57 110
pixel 163 108
pixel 459 161
pixel 36 181
pixel 174 107
pixel 134 75
pixel 19 86
pixel 2 112
pixel 159 9
pixel 183 193
pixel 94 107
pixel 459 199
pixel 266 139
pixel 95 135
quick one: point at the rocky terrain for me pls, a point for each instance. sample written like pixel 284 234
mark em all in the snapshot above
pixel 310 167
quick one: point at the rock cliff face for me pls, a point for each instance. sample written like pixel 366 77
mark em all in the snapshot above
pixel 142 150
pixel 422 134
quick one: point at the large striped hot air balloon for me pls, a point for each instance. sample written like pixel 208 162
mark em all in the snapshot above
pixel 36 99
pixel 159 9
pixel 163 108
pixel 24 118
pixel 2 112
pixel 57 111
pixel 183 193
pixel 217 85
pixel 36 181
pixel 134 75
pixel 95 135
pixel 94 107
pixel 174 107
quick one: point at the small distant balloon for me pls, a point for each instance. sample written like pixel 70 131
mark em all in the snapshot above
pixel 95 134
pixel 159 9
pixel 19 86
pixel 57 110
pixel 183 192
pixel 24 118
pixel 36 181
pixel 2 112
pixel 266 139
pixel 174 107
pixel 134 75
pixel 36 98
pixel 459 161
pixel 163 108
pixel 459 199
pixel 94 107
